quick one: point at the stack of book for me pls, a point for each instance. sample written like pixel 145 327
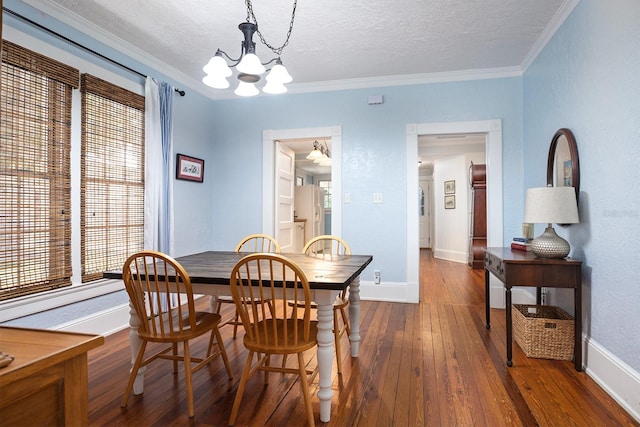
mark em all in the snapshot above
pixel 521 243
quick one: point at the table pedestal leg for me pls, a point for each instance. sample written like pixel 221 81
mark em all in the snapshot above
pixel 324 300
pixel 354 316
pixel 134 344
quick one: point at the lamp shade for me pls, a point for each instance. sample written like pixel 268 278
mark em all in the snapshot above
pixel 274 88
pixel 246 89
pixel 250 64
pixel 215 82
pixel 217 67
pixel 551 205
pixel 279 74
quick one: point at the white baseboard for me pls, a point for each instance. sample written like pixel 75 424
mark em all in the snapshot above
pixel 618 379
pixel 455 256
pixel 387 291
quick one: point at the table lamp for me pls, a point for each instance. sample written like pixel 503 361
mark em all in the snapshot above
pixel 551 205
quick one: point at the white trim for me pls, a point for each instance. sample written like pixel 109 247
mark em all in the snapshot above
pixel 269 138
pixel 563 12
pixel 618 379
pixel 388 81
pixel 493 130
pixel 31 304
pixel 387 291
pixel 448 255
pixel 105 322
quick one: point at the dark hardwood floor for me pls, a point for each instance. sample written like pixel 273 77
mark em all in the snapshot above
pixel 427 364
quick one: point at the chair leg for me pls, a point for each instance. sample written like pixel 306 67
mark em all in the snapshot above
pixel 304 383
pixel 132 375
pixel 223 352
pixel 187 379
pixel 175 360
pixel 235 325
pixel 345 319
pixel 267 363
pixel 211 338
pixel 336 333
pixel 241 387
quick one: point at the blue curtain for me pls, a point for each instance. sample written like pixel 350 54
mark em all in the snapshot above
pixel 165 223
pixel 158 228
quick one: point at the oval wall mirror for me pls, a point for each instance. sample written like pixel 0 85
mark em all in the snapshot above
pixel 563 165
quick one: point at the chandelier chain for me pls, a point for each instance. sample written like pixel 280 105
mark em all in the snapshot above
pixel 251 15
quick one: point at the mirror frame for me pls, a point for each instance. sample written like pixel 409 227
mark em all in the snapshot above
pixel 573 152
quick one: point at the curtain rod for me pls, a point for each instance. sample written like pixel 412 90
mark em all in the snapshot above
pixel 75 43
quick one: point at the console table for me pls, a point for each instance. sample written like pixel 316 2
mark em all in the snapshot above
pixel 520 268
pixel 46 384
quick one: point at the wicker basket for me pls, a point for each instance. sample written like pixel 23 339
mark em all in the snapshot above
pixel 543 331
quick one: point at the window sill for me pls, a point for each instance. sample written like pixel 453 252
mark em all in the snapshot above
pixel 31 304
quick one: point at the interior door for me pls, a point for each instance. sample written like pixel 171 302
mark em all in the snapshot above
pixel 424 207
pixel 285 181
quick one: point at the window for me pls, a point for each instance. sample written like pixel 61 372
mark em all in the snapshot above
pixel 112 176
pixel 35 186
pixel 326 186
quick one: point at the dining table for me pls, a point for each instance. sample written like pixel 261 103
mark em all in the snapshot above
pixel 210 274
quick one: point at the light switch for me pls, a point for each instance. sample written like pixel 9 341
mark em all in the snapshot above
pixel 377 197
pixel 347 197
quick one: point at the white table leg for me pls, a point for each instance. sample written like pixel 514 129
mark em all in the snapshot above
pixel 134 344
pixel 354 316
pixel 324 300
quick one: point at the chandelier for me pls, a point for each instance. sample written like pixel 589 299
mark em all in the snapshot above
pixel 320 155
pixel 248 65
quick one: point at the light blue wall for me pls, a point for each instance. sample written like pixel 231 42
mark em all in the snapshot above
pixel 587 79
pixel 373 156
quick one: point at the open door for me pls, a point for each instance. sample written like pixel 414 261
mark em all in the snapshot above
pixel 284 185
pixel 424 206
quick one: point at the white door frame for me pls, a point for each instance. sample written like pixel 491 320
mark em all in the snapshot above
pixel 493 130
pixel 269 138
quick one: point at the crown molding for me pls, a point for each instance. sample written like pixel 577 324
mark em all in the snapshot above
pixel 388 81
pixel 79 23
pixel 552 27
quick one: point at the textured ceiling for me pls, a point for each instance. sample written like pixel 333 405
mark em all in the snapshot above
pixel 332 41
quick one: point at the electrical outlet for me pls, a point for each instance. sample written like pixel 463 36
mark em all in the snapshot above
pixel 376 277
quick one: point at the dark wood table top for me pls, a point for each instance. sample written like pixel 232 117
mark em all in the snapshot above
pixel 514 256
pixel 214 267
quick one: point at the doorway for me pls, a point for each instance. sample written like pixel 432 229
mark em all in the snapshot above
pixel 271 139
pixel 493 149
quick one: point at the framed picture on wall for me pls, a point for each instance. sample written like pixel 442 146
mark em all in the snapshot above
pixel 450 187
pixel 450 202
pixel 189 168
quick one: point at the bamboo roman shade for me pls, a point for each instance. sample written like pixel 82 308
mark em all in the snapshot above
pixel 112 176
pixel 35 186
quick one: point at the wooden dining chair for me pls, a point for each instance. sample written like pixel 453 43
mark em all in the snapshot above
pixel 251 243
pixel 160 292
pixel 326 246
pixel 256 279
